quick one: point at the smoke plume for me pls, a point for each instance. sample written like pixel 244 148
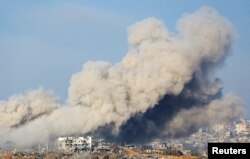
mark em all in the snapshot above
pixel 165 84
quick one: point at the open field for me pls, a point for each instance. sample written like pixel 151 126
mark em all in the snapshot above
pixel 127 154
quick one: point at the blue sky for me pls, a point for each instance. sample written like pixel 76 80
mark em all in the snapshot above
pixel 43 43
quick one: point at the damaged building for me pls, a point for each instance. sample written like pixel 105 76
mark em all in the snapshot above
pixel 74 143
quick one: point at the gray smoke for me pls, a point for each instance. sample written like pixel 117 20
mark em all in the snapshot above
pixel 217 111
pixel 164 80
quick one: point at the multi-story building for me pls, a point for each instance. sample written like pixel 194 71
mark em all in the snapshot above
pixel 73 143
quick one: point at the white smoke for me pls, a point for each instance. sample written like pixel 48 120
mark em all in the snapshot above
pixel 158 63
pixel 20 109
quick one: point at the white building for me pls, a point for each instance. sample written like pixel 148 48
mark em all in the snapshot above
pixel 72 143
pixel 157 144
pixel 243 126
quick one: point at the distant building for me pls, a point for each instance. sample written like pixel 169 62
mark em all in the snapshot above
pixel 157 144
pixel 75 143
pixel 147 148
pixel 242 126
pixel 100 145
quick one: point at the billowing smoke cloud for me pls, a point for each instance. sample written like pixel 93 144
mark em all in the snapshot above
pixel 21 109
pixel 164 80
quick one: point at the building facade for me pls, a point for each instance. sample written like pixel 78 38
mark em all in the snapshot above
pixel 75 143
